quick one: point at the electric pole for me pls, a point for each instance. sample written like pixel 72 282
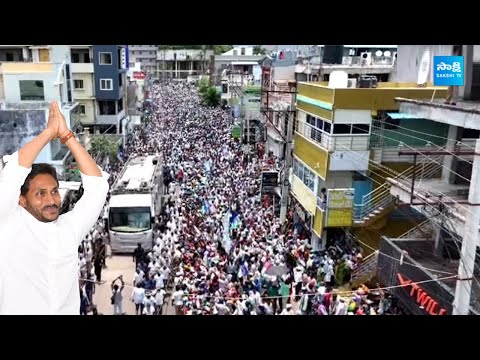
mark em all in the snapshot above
pixel 286 168
pixel 461 303
pixel 288 159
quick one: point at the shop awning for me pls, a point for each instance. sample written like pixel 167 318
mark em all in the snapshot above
pixel 401 115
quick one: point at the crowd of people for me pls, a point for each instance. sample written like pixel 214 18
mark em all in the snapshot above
pixel 219 245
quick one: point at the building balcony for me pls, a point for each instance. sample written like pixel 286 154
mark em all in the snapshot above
pixel 84 68
pixel 372 61
pixel 347 152
pixel 110 119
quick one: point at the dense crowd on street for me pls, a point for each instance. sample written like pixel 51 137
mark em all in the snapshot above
pixel 219 245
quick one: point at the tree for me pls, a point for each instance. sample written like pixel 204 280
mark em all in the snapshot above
pixel 259 50
pixel 211 97
pixel 220 49
pixel 104 148
pixel 203 85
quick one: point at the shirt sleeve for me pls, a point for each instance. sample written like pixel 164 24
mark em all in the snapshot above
pixel 87 210
pixel 11 180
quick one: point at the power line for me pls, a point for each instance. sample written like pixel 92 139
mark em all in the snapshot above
pixel 431 135
pixel 426 189
pixel 426 142
pixel 419 152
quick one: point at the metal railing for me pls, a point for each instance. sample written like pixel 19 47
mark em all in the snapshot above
pixel 374 60
pixel 367 268
pixel 423 230
pixel 380 198
pixel 333 142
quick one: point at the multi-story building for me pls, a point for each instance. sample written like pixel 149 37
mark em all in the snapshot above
pixel 237 68
pixel 182 63
pixel 332 179
pixel 355 60
pixel 109 64
pixel 83 82
pixel 30 78
pixel 145 56
pixel 442 189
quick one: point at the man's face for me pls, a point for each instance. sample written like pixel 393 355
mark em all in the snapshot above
pixel 43 198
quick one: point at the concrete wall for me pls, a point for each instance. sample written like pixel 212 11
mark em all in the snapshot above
pixel 89 117
pixel 87 86
pixel 17 127
pixel 476 53
pixel 12 86
pixel 409 58
pixel 284 73
pixel 238 50
pixel 337 179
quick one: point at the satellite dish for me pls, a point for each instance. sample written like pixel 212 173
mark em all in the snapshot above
pixel 424 68
pixel 378 53
pixel 387 53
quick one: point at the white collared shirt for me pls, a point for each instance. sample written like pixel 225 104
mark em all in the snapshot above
pixel 40 260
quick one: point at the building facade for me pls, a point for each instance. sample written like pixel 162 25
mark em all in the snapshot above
pixel 30 78
pixel 145 55
pixel 332 167
pixel 110 67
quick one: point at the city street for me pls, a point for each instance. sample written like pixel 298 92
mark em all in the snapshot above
pixel 117 265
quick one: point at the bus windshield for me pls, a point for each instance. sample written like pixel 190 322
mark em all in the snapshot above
pixel 130 220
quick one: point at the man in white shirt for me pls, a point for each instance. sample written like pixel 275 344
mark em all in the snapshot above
pixel 138 295
pixel 38 247
pixel 159 300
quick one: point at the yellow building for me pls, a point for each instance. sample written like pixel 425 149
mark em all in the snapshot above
pixel 332 151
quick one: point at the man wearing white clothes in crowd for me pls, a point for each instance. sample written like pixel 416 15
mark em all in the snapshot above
pixel 37 244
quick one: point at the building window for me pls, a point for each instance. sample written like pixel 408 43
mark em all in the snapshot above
pixel 347 129
pixel 82 109
pixel 78 84
pixel 105 58
pixel 31 90
pixel 360 129
pixel 342 129
pixel 106 84
pixel 304 174
pixel 242 50
pixel 44 55
pixel 131 65
pixel 107 107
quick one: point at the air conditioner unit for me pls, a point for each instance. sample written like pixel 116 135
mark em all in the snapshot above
pixel 352 83
pixel 366 58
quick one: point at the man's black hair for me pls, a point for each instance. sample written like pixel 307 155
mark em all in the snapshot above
pixel 37 169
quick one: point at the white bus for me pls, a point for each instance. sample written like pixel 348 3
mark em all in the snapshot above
pixel 135 201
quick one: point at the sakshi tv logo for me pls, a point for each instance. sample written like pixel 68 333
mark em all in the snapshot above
pixel 448 71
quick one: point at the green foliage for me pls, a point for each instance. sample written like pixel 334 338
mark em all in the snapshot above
pixel 253 90
pixel 203 85
pixel 220 49
pixel 259 50
pixel 104 147
pixel 211 97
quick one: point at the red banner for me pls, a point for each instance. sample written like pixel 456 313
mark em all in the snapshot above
pixel 139 75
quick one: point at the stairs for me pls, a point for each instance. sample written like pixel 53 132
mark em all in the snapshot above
pixel 423 230
pixel 380 202
pixel 366 271
pixel 374 205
